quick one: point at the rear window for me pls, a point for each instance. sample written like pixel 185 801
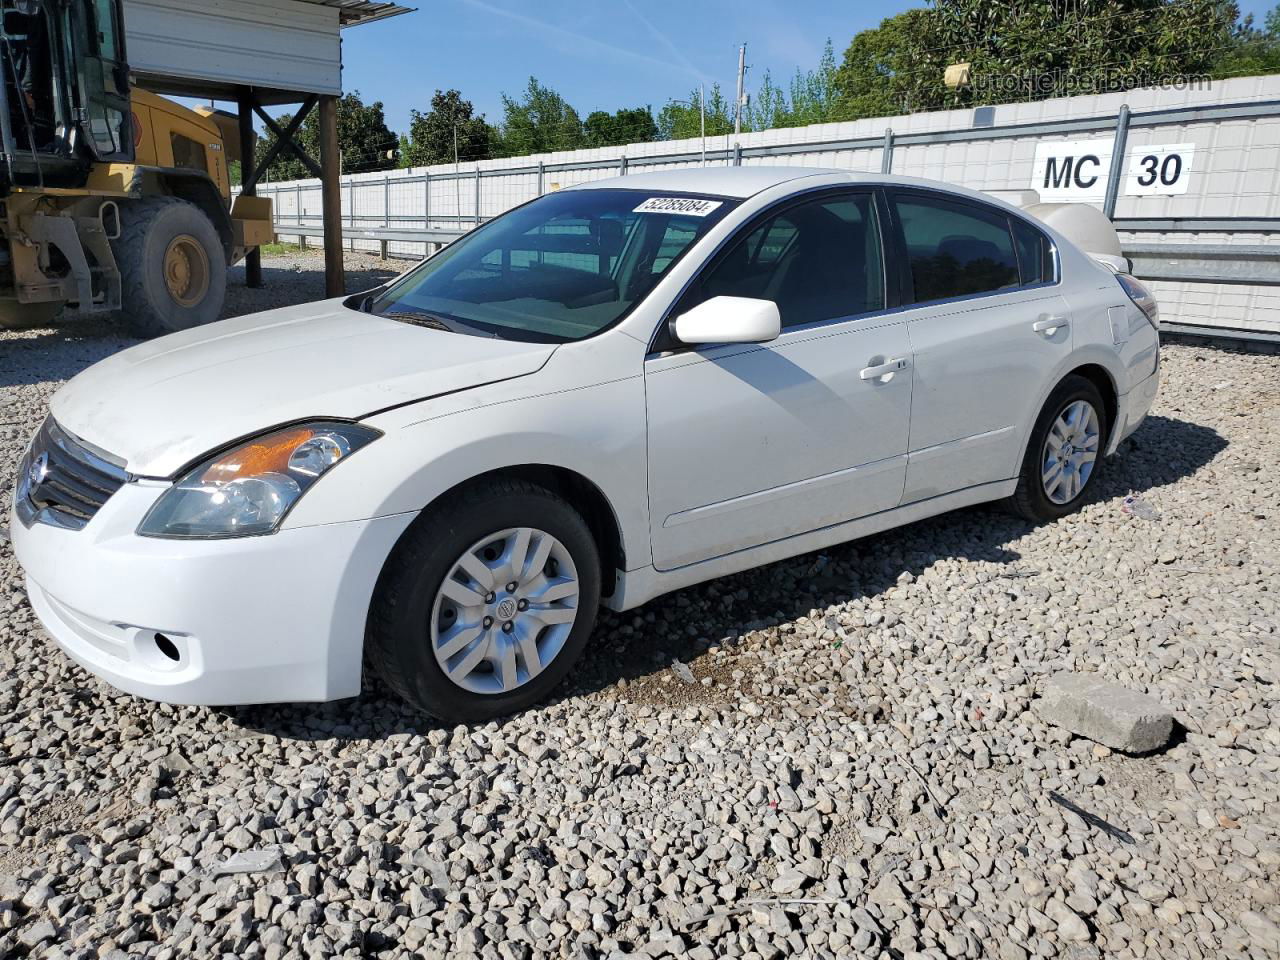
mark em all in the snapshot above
pixel 956 249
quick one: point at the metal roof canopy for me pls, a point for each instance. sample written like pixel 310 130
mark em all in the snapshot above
pixel 354 12
pixel 283 50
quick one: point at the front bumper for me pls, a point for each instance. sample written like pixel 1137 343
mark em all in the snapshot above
pixel 250 620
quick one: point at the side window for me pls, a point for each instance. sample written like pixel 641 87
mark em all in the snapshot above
pixel 817 261
pixel 104 15
pixel 1035 255
pixel 955 249
pixel 187 153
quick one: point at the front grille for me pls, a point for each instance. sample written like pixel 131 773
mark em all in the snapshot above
pixel 62 482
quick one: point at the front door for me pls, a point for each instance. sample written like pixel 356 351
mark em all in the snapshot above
pixel 754 443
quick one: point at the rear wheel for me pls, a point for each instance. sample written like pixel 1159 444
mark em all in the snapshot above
pixel 1065 454
pixel 172 267
pixel 486 603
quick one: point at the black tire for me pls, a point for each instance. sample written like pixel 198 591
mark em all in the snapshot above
pixel 397 642
pixel 1030 499
pixel 148 229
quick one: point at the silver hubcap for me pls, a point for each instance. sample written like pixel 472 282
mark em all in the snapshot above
pixel 1069 452
pixel 505 610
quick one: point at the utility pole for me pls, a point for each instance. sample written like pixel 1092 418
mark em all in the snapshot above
pixel 742 90
pixel 702 117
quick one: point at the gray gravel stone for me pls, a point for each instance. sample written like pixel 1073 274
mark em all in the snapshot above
pixel 862 726
pixel 1108 713
pixel 1263 931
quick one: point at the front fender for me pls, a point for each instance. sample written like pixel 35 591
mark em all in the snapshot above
pixel 596 431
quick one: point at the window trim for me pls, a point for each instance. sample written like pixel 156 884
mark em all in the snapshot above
pixel 663 342
pixel 1050 264
pixel 901 254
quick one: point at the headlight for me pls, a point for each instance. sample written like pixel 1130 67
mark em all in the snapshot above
pixel 249 489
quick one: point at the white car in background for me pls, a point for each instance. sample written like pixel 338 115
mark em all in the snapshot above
pixel 608 393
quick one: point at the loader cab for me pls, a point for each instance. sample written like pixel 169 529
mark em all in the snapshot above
pixel 65 91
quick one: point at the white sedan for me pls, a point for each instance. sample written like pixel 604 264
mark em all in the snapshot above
pixel 605 394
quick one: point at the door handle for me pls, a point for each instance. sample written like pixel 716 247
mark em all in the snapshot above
pixel 883 371
pixel 1049 325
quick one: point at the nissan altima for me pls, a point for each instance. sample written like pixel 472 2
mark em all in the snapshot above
pixel 608 393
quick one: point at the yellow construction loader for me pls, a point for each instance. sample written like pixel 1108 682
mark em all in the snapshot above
pixel 112 200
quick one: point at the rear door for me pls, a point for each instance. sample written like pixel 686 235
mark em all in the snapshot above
pixel 752 443
pixel 988 328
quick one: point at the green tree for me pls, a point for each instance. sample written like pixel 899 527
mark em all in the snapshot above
pixel 539 122
pixel 681 120
pixel 364 140
pixel 811 98
pixel 1043 48
pixel 768 109
pixel 813 92
pixel 1031 50
pixel 451 120
pixel 890 69
pixel 1253 51
pixel 628 125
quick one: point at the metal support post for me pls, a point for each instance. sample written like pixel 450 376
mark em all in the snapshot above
pixel 248 182
pixel 335 282
pixel 1117 161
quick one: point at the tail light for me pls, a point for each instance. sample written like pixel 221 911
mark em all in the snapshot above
pixel 1142 298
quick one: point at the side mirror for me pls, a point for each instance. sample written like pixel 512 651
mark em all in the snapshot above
pixel 730 320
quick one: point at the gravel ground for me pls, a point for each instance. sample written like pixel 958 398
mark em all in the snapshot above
pixel 857 768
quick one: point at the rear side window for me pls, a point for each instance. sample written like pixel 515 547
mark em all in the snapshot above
pixel 819 260
pixel 1035 255
pixel 956 249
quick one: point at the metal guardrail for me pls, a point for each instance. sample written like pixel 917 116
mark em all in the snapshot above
pixel 1205 263
pixel 383 235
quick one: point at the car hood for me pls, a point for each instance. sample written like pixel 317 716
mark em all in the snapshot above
pixel 162 404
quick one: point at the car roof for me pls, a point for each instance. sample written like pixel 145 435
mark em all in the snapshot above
pixel 743 182
pixel 739 182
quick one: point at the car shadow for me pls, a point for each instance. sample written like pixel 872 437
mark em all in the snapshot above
pixel 635 645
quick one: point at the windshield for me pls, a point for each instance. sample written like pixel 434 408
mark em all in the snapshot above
pixel 562 267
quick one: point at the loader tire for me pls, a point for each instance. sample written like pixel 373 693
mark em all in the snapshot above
pixel 173 271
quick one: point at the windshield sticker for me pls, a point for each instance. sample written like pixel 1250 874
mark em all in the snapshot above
pixel 689 206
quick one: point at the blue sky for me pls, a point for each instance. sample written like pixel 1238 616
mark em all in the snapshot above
pixel 600 54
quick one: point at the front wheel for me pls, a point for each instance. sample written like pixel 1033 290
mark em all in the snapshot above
pixel 486 603
pixel 1065 454
pixel 173 271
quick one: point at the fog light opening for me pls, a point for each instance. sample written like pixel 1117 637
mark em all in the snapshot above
pixel 167 647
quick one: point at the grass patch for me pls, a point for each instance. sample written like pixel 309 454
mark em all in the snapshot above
pixel 279 249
